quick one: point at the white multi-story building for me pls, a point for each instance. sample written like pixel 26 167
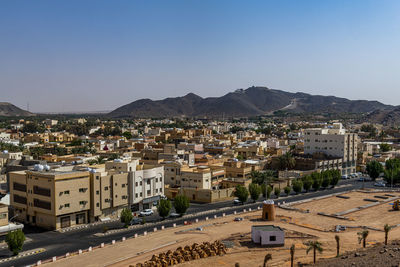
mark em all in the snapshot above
pixel 334 142
pixel 145 182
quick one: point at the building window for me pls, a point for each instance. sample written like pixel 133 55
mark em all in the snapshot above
pixel 41 191
pixel 272 238
pixel 41 204
pixel 141 183
pixel 148 181
pixel 97 204
pixel 123 185
pixel 136 184
pixel 83 202
pixel 82 190
pixel 19 187
pixel 66 192
pixel 97 192
pixel 156 180
pixel 141 194
pixel 148 192
pixel 3 215
pixel 136 195
pixel 19 199
pixel 106 188
pixel 66 205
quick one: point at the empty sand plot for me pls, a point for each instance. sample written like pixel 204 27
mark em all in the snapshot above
pixel 310 226
pixel 332 205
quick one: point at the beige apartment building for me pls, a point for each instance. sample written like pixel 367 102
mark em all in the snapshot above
pixel 50 199
pixel 56 199
pixel 334 142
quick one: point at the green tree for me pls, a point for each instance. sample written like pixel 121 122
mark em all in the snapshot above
pixel 15 241
pixel 314 246
pixel 126 216
pixel 386 228
pixel 385 147
pixel 241 193
pixel 326 179
pixel 292 250
pixel 287 161
pixel 127 135
pixel 254 190
pixel 317 180
pixel 277 192
pixel 181 204
pixel 337 239
pixel 374 168
pixel 164 208
pixel 76 142
pixel 264 190
pixel 297 186
pixel 307 182
pixel 362 237
pixel 335 177
pixel 287 190
pixel 269 191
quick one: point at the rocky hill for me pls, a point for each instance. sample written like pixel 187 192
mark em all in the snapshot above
pixel 9 110
pixel 385 117
pixel 243 103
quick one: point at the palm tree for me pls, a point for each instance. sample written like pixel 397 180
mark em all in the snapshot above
pixel 292 249
pixel 315 246
pixel 267 258
pixel 287 161
pixel 362 236
pixel 337 238
pixel 386 228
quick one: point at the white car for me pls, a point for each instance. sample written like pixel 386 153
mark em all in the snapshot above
pixel 146 212
pixel 344 177
pixel 380 184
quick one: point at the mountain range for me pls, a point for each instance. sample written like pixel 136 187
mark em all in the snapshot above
pixel 253 101
pixel 8 110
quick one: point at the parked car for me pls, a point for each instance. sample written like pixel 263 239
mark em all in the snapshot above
pixel 236 202
pixel 146 212
pixel 355 175
pixel 344 177
pixel 136 221
pixel 238 219
pixel 380 184
pixel 174 215
pixel 362 179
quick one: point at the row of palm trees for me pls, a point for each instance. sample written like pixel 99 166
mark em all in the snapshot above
pixel 316 246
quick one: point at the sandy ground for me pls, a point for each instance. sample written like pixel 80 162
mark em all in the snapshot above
pixel 299 227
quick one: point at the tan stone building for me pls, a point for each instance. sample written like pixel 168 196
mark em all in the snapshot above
pixel 50 199
pixel 56 199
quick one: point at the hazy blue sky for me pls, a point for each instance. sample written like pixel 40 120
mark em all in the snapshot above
pixel 97 55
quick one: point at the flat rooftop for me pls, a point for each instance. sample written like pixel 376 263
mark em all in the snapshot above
pixel 267 228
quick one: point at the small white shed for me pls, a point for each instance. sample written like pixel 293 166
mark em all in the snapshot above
pixel 268 235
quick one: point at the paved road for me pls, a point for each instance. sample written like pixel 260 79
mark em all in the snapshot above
pixel 57 244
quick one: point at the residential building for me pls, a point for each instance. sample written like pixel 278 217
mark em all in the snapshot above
pixel 335 142
pixel 55 199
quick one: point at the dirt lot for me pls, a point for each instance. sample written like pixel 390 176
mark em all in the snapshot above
pixel 299 227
